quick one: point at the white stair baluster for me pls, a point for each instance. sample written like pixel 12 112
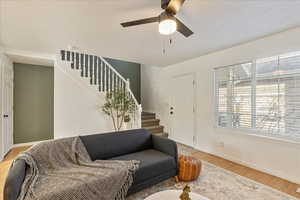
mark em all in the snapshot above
pixel 105 78
pixel 101 77
pixel 95 70
pixel 84 61
pixel 99 74
pixel 117 83
pixel 121 85
pixel 113 81
pixel 87 66
pixel 108 82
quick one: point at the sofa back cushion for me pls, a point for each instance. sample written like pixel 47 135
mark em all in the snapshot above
pixel 108 145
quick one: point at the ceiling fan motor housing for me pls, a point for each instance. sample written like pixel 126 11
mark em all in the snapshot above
pixel 165 15
pixel 164 4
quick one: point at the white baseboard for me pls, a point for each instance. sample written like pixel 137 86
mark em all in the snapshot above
pixel 244 163
pixel 252 165
pixel 177 141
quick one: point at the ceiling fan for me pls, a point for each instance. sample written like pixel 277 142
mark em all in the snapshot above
pixel 168 23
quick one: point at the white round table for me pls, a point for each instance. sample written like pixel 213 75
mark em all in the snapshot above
pixel 173 195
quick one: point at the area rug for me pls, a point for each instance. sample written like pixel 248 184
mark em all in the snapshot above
pixel 216 183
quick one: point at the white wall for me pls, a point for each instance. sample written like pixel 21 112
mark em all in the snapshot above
pixel 272 156
pixel 152 92
pixel 76 106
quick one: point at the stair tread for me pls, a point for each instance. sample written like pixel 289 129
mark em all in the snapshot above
pixel 149 116
pixel 153 127
pixel 147 113
pixel 161 134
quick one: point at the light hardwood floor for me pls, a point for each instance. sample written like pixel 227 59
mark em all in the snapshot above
pixel 5 164
pixel 272 181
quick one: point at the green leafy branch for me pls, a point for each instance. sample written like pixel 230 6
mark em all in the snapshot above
pixel 119 106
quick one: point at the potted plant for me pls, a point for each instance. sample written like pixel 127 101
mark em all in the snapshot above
pixel 118 106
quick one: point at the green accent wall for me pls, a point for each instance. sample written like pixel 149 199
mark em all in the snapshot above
pixel 33 103
pixel 129 70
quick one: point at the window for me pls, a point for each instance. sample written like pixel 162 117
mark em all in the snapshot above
pixel 263 96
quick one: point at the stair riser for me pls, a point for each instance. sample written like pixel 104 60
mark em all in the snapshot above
pixel 148 117
pixel 150 123
pixel 147 124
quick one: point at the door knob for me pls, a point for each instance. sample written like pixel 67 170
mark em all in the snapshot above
pixel 5 116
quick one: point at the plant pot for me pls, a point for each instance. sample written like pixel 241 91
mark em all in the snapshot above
pixel 126 118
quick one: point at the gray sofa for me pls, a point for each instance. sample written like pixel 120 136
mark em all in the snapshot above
pixel 158 158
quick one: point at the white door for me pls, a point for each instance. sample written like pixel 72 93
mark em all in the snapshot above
pixel 1 109
pixel 6 91
pixel 182 109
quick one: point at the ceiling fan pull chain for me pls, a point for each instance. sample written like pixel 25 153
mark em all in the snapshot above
pixel 164 46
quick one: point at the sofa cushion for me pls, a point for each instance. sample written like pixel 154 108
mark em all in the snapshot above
pixel 108 145
pixel 153 163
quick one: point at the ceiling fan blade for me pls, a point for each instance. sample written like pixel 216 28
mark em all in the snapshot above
pixel 183 29
pixel 174 6
pixel 141 21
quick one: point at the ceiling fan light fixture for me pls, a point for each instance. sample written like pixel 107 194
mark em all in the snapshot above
pixel 168 23
pixel 167 26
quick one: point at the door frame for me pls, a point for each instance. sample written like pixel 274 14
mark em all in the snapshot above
pixel 6 140
pixel 1 108
pixel 195 139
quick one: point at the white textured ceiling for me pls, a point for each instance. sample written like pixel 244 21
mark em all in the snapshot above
pixel 46 26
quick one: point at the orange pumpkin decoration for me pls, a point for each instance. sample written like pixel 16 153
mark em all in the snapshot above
pixel 189 168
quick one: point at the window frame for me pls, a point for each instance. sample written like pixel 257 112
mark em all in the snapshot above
pixel 253 131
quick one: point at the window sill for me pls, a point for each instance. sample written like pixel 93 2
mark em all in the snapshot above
pixel 258 134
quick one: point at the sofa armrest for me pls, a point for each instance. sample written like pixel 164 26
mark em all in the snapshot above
pixel 14 180
pixel 166 146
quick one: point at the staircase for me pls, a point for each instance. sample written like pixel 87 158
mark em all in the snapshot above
pixel 99 74
pixel 150 123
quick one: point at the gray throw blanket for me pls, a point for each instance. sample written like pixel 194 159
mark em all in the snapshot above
pixel 63 170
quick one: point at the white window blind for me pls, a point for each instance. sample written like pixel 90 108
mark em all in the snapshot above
pixel 263 96
pixel 233 85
